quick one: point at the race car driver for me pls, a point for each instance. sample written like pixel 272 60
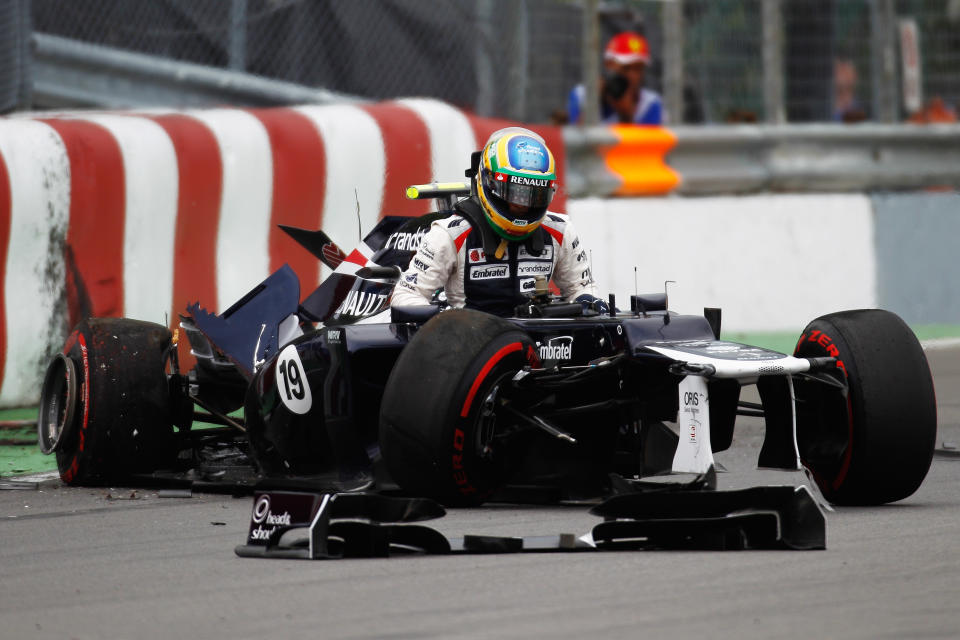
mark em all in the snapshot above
pixel 488 254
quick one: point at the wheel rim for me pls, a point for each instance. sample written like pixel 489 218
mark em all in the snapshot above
pixel 58 403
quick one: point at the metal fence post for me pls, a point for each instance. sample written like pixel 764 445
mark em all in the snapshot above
pixel 238 35
pixel 483 63
pixel 519 69
pixel 883 49
pixel 773 67
pixel 673 60
pixel 590 60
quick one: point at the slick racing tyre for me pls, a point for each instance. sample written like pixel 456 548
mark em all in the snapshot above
pixel 438 426
pixel 874 445
pixel 105 403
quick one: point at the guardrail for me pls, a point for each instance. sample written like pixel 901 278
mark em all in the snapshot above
pixel 748 158
pixel 601 161
pixel 69 73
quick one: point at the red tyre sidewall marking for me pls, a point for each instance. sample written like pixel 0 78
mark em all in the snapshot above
pixel 74 466
pixel 200 172
pixel 459 437
pixel 6 215
pixel 299 185
pixel 97 208
pixel 822 340
pixel 491 363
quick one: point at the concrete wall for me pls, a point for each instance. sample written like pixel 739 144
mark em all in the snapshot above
pixel 771 262
pixel 917 240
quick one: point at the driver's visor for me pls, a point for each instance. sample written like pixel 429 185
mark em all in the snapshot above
pixel 532 192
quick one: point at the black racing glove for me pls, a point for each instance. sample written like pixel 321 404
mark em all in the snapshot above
pixel 592 303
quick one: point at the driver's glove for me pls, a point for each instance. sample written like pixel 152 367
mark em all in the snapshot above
pixel 592 303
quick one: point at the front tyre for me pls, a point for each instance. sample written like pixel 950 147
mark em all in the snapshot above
pixel 875 445
pixel 440 432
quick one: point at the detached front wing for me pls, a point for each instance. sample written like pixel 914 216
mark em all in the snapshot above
pixel 304 525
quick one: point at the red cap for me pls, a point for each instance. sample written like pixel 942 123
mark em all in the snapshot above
pixel 626 48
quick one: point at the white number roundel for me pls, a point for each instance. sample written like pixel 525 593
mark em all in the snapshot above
pixel 292 382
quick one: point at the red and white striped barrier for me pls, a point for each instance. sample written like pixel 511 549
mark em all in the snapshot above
pixel 136 214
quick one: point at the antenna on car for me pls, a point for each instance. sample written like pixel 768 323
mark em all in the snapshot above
pixel 666 301
pixel 359 226
pixel 636 291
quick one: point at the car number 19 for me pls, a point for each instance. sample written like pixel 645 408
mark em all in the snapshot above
pixel 292 382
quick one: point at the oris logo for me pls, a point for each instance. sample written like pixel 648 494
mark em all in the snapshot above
pixel 477 255
pixel 560 348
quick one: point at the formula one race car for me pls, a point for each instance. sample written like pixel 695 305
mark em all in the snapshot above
pixel 457 404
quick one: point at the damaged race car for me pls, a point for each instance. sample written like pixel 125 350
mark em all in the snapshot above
pixel 342 393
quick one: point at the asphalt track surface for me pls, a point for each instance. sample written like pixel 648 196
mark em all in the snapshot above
pixel 99 563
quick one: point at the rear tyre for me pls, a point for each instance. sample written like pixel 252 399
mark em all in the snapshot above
pixel 438 423
pixel 874 445
pixel 105 406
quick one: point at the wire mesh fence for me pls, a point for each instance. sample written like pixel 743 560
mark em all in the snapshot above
pixel 14 54
pixel 734 60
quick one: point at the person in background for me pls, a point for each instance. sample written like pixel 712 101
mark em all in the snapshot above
pixel 846 107
pixel 623 98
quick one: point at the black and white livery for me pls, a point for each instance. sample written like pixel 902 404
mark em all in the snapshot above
pixel 460 404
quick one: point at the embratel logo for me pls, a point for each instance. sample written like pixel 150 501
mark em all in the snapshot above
pixel 488 272
pixel 477 255
pixel 559 348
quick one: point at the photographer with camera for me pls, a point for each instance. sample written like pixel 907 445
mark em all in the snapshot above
pixel 623 98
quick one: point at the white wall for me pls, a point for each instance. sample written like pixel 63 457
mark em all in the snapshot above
pixel 771 262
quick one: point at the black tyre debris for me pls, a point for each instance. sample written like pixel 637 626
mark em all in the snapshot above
pixel 122 423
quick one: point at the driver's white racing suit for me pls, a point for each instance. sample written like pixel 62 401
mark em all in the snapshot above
pixel 458 256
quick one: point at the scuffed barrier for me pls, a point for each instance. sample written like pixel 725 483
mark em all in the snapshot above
pixel 137 214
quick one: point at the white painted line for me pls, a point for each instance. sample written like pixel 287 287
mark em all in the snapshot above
pixel 39 172
pixel 36 477
pixel 243 256
pixel 935 344
pixel 151 181
pixel 356 166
